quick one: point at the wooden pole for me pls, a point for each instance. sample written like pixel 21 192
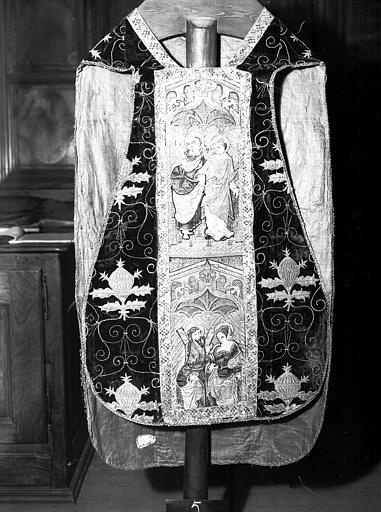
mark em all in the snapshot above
pixel 201 42
pixel 196 464
pixel 201 51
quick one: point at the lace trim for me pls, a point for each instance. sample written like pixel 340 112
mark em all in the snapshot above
pixel 149 39
pixel 252 37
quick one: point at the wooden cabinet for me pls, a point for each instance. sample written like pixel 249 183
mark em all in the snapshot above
pixel 44 448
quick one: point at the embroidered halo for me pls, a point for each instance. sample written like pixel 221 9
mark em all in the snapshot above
pixel 224 327
pixel 219 139
pixel 193 325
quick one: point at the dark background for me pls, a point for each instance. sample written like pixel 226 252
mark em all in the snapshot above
pixel 346 34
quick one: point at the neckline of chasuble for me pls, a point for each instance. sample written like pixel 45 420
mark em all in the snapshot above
pixel 152 44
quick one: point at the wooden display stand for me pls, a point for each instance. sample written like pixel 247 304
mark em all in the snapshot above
pixel 166 20
pixel 201 51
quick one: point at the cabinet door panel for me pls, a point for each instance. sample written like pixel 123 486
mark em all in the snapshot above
pixel 24 376
pixel 22 469
pixel 7 426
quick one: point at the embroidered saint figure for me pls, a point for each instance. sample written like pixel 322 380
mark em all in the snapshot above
pixel 191 377
pixel 224 368
pixel 219 187
pixel 187 188
pixel 211 373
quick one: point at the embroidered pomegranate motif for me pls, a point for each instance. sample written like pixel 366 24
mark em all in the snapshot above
pixel 121 281
pixel 121 286
pixel 288 271
pixel 287 387
pixel 127 396
pixel 289 276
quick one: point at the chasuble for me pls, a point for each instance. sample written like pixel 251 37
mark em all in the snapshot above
pixel 203 224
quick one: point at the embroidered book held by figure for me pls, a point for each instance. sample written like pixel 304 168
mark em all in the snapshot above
pixel 203 238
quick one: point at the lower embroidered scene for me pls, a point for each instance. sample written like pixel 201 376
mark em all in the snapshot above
pixel 207 334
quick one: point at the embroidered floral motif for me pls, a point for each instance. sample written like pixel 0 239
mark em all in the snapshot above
pixel 110 49
pixel 272 165
pixel 128 400
pixel 96 54
pixel 131 190
pixel 122 286
pixel 289 276
pixel 262 88
pixel 287 388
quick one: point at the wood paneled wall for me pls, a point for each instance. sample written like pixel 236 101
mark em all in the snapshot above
pixel 41 44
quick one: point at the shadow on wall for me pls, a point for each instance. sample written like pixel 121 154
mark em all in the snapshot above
pixel 349 43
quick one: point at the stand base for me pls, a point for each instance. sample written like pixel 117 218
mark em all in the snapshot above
pixel 197 506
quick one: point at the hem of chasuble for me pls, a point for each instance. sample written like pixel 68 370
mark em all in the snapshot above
pixel 264 444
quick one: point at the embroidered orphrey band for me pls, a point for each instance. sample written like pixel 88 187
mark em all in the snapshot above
pixel 206 267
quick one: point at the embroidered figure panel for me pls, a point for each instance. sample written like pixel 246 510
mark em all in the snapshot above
pixel 206 264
